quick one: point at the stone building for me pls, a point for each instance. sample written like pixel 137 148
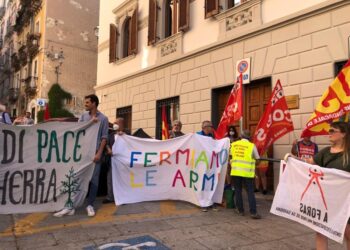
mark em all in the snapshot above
pixel 183 54
pixel 47 42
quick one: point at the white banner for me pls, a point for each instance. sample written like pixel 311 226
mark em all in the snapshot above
pixel 315 197
pixel 45 167
pixel 190 168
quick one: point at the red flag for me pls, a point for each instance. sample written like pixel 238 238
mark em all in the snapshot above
pixel 165 127
pixel 275 122
pixel 46 112
pixel 334 104
pixel 233 110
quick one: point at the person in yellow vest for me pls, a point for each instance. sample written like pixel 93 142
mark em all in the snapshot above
pixel 244 153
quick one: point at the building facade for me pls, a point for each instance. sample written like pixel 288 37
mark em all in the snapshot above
pixel 48 42
pixel 183 54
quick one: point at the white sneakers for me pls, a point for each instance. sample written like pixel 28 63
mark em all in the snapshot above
pixel 90 211
pixel 71 211
pixel 65 211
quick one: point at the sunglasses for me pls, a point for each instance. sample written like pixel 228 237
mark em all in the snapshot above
pixel 333 131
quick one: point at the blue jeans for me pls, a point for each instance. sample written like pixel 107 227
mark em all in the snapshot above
pixel 94 184
pixel 249 184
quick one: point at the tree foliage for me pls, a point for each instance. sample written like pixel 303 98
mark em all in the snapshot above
pixel 56 97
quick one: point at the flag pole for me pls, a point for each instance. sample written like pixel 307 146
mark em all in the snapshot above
pixel 242 101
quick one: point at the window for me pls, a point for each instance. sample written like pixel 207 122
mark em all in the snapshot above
pixel 37 27
pixel 125 113
pixel 18 80
pixel 35 69
pixel 123 36
pixel 172 108
pixel 338 67
pixel 166 18
pixel 71 102
pixel 213 7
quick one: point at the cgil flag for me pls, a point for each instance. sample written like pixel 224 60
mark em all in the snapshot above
pixel 233 110
pixel 165 127
pixel 275 122
pixel 334 104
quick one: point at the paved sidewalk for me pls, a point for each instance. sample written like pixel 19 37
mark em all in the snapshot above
pixel 176 225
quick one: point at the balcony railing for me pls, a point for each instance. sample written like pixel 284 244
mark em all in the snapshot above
pixel 15 62
pixel 35 5
pixel 33 40
pixel 13 94
pixel 28 9
pixel 9 31
pixel 22 55
pixel 31 86
pixel 5 69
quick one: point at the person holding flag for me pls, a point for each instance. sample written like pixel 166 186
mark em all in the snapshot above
pixel 336 156
pixel 233 110
pixel 327 119
pixel 244 154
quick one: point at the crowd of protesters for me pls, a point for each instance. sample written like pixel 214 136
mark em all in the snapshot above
pixel 245 166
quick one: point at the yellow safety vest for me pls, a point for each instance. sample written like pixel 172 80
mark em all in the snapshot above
pixel 242 162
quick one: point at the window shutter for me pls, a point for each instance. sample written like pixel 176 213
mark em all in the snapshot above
pixel 230 3
pixel 112 43
pixel 184 15
pixel 133 32
pixel 211 8
pixel 152 22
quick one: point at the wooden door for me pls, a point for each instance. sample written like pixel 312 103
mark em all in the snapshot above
pixel 257 95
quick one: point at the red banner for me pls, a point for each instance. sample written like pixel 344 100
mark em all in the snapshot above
pixel 275 122
pixel 233 110
pixel 165 127
pixel 334 104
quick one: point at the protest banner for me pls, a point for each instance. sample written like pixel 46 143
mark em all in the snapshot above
pixel 45 167
pixel 316 197
pixel 190 168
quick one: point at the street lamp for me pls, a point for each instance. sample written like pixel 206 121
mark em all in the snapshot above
pixel 58 57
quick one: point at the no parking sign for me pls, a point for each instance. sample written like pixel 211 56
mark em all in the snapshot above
pixel 41 102
pixel 243 67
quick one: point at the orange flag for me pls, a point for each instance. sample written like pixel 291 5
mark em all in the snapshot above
pixel 165 127
pixel 334 104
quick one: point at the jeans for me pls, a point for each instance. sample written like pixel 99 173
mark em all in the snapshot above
pixel 110 195
pixel 249 184
pixel 94 184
